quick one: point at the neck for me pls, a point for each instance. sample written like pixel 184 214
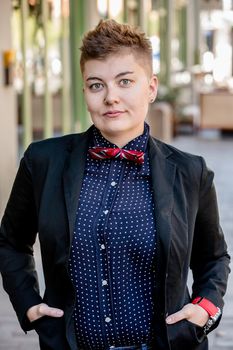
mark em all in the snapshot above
pixel 119 140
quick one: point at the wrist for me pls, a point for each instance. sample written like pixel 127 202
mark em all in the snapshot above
pixel 213 311
pixel 206 305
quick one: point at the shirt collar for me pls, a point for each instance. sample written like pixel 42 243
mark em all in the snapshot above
pixel 139 143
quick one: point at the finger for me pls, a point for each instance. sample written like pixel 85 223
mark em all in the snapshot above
pixel 45 310
pixel 176 317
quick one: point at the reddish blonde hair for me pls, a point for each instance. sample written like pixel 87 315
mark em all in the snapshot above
pixel 110 37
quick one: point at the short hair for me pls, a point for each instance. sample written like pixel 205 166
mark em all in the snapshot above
pixel 109 37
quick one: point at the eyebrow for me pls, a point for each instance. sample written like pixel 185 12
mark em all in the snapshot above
pixel 117 76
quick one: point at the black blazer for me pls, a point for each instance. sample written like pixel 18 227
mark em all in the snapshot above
pixel 44 200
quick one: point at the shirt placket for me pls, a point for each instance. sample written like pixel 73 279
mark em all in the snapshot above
pixel 106 299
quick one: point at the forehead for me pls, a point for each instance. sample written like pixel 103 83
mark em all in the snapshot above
pixel 114 64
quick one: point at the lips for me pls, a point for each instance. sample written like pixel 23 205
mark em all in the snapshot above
pixel 113 114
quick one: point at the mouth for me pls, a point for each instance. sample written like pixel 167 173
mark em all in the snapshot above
pixel 113 114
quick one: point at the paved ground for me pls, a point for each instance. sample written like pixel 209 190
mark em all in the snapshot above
pixel 218 152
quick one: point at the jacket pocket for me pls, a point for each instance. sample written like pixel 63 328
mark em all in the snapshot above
pixel 51 332
pixel 187 335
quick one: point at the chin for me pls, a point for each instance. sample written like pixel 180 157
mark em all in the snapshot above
pixel 115 129
pixel 112 126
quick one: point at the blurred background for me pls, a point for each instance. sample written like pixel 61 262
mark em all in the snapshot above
pixel 41 94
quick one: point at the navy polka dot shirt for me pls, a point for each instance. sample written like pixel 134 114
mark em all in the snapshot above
pixel 113 251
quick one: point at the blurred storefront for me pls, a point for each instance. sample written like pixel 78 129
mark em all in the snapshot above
pixel 192 54
pixel 42 86
pixel 8 125
pixel 215 75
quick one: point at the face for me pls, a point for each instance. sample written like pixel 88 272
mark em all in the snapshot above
pixel 117 91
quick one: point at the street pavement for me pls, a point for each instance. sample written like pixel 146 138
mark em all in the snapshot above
pixel 218 152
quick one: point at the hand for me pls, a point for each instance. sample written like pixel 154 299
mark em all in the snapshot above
pixel 193 313
pixel 37 311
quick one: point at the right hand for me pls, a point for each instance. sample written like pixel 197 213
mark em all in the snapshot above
pixel 37 311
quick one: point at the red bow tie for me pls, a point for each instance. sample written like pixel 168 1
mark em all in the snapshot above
pixel 117 153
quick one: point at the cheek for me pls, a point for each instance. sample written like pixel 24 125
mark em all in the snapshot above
pixel 139 100
pixel 141 104
pixel 90 102
pixel 141 94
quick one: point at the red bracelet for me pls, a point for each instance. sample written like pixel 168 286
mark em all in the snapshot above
pixel 206 305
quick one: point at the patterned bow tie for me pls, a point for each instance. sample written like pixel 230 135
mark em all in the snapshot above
pixel 117 153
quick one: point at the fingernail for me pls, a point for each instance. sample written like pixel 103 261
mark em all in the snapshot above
pixel 59 313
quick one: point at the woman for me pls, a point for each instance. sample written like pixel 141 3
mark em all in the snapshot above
pixel 121 218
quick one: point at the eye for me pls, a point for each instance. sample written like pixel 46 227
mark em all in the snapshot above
pixel 95 86
pixel 125 82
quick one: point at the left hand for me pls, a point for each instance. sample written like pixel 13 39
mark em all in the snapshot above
pixel 193 313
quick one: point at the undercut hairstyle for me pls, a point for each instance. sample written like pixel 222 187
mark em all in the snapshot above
pixel 110 37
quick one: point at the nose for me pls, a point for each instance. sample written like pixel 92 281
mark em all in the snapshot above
pixel 111 96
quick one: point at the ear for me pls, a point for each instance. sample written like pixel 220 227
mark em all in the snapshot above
pixel 153 87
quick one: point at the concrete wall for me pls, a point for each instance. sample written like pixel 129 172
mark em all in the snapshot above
pixel 8 125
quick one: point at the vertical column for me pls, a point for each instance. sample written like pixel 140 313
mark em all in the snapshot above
pixel 65 93
pixel 142 14
pixel 232 50
pixel 26 106
pixel 165 25
pixel 92 16
pixel 77 15
pixel 8 123
pixel 48 118
pixel 125 11
pixel 190 40
pixel 190 33
pixel 183 34
pixel 196 4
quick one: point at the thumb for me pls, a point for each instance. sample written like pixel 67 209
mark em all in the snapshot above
pixel 185 313
pixel 176 317
pixel 45 310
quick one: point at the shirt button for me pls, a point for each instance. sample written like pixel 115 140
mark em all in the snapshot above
pixel 102 246
pixel 107 319
pixel 105 212
pixel 113 183
pixel 104 283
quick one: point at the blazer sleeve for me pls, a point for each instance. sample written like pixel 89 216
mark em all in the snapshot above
pixel 210 260
pixel 17 236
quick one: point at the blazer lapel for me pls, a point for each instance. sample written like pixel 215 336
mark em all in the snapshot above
pixel 73 175
pixel 163 176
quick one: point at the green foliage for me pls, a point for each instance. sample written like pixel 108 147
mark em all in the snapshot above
pixel 167 94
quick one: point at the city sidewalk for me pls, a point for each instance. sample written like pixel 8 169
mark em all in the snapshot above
pixel 219 157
